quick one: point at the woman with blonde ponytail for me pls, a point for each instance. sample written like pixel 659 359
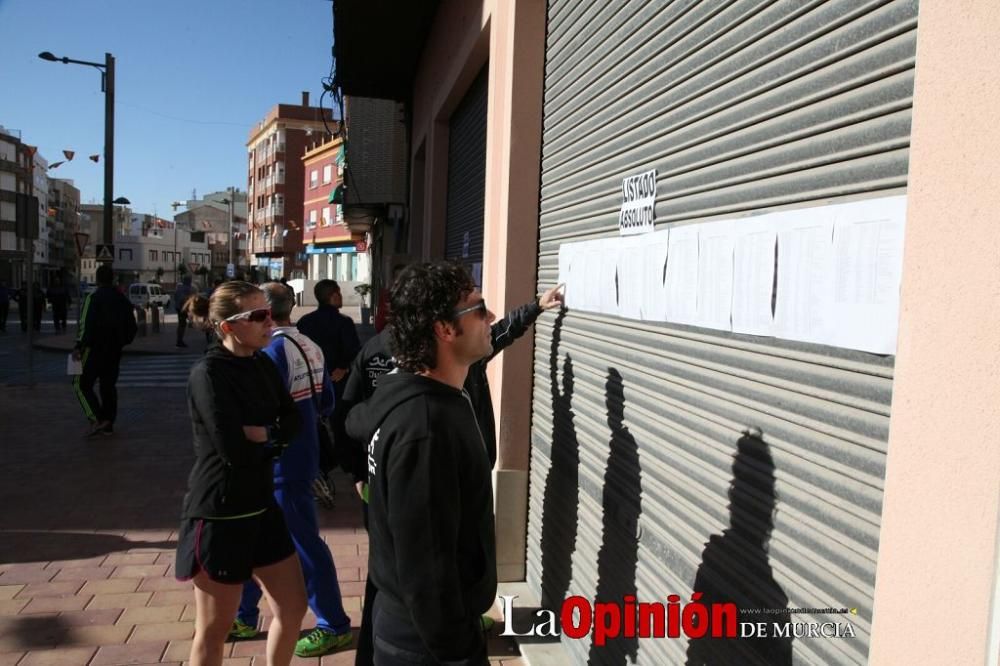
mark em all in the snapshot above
pixel 231 527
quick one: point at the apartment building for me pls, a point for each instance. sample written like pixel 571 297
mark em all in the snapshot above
pixel 15 179
pixel 275 186
pixel 64 224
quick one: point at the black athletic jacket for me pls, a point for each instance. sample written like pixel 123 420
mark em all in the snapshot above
pixel 433 549
pixel 373 361
pixel 233 476
pixel 106 321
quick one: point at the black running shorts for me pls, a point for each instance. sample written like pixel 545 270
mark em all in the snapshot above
pixel 228 550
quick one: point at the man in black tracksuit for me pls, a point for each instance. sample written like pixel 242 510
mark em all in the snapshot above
pixel 106 325
pixel 375 360
pixel 433 554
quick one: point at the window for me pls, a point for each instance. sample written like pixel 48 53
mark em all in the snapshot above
pixel 312 219
pixel 153 255
pixel 313 178
pixel 326 217
pixel 327 173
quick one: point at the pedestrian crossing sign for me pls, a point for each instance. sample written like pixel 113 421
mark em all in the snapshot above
pixel 105 252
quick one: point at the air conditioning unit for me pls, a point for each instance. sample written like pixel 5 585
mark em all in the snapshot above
pixel 376 155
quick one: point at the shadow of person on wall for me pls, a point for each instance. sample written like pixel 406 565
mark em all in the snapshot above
pixel 621 500
pixel 735 568
pixel 560 499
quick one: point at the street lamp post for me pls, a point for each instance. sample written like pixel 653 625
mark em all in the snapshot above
pixel 175 205
pixel 230 201
pixel 107 69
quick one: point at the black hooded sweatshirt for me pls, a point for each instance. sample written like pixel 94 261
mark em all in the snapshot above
pixel 233 476
pixel 433 548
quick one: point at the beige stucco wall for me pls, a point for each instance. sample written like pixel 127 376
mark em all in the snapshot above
pixel 509 35
pixel 937 567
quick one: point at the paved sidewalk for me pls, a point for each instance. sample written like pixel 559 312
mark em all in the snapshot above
pixel 88 531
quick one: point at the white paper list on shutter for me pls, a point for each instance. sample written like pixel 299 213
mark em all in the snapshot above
pixel 838 268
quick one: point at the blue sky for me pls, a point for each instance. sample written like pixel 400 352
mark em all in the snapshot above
pixel 193 77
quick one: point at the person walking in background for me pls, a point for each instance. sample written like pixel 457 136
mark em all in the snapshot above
pixel 216 283
pixel 4 306
pixel 433 558
pixel 337 336
pixel 183 292
pixel 37 306
pixel 300 365
pixel 21 296
pixel 231 527
pixel 59 299
pixel 106 326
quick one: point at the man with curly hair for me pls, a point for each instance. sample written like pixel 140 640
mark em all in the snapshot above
pixel 433 556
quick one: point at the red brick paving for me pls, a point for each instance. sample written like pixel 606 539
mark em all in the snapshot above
pixel 85 618
pixel 133 653
pixel 72 656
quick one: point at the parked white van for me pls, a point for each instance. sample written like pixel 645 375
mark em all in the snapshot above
pixel 142 294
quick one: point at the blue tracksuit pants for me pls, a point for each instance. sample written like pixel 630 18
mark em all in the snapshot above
pixel 296 502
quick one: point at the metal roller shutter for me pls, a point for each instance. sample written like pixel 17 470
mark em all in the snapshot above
pixel 640 474
pixel 467 174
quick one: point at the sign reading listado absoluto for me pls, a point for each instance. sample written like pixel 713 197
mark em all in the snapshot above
pixel 638 204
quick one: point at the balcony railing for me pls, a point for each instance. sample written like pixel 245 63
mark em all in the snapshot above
pixel 264 244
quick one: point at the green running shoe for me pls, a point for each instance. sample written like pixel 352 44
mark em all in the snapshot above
pixel 321 641
pixel 241 630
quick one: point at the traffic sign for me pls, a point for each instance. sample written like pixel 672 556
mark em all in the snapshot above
pixel 230 270
pixel 360 246
pixel 81 242
pixel 105 252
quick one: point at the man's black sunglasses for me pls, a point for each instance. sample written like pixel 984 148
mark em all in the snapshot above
pixel 481 305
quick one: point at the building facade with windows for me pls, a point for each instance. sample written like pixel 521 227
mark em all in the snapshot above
pixel 151 250
pixel 331 249
pixel 40 185
pixel 210 215
pixel 157 258
pixel 15 179
pixel 275 185
pixel 64 220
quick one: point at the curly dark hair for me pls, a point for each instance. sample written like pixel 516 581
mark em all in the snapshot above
pixel 422 295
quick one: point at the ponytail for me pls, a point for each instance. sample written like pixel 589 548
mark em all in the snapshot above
pixel 224 302
pixel 196 308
